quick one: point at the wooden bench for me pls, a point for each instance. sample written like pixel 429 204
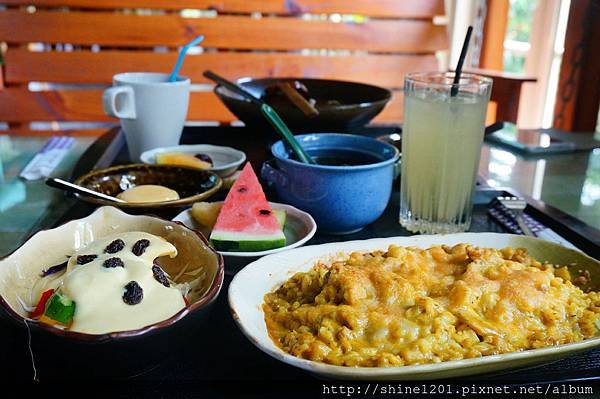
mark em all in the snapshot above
pixel 74 47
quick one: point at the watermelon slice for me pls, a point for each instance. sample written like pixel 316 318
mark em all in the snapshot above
pixel 246 222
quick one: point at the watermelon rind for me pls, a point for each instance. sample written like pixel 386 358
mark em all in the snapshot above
pixel 227 241
pixel 224 241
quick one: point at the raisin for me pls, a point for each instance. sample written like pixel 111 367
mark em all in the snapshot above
pixel 140 247
pixel 264 212
pixel 114 246
pixel 113 262
pixel 160 276
pixel 83 259
pixel 205 158
pixel 133 293
pixel 54 269
pixel 242 189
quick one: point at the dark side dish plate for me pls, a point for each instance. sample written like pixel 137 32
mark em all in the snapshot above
pixel 192 185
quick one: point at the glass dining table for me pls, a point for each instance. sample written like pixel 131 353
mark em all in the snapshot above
pixel 28 206
pixel 569 182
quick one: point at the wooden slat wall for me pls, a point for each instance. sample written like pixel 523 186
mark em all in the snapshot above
pixel 19 104
pixel 42 133
pixel 83 67
pixel 374 8
pixel 236 32
pixel 398 38
pixel 86 106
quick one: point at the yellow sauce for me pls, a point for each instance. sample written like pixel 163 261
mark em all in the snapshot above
pixel 148 193
pixel 98 290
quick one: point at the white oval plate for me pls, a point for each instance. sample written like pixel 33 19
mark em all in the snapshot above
pixel 249 286
pixel 226 159
pixel 299 228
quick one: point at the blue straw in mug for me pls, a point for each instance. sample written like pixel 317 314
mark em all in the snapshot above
pixel 182 52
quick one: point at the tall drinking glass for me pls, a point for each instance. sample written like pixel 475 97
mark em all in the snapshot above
pixel 441 144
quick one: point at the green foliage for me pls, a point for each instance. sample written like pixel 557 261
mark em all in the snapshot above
pixel 513 63
pixel 520 16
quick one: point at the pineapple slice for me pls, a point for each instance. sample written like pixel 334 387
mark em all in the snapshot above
pixel 206 213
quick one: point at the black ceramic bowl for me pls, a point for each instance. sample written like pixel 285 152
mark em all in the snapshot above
pixel 72 356
pixel 342 105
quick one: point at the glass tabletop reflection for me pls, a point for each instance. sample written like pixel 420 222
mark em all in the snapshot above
pixel 25 205
pixel 569 182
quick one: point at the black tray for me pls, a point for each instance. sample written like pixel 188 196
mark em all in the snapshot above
pixel 111 149
pixel 232 357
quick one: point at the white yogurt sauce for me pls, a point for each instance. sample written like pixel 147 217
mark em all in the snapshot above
pixel 98 290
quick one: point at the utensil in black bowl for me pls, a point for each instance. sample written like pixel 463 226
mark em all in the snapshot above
pixel 343 106
pixel 74 188
pixel 269 113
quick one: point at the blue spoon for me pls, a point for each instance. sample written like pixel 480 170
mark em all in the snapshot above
pixel 182 53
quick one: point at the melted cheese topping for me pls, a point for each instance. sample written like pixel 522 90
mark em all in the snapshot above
pixel 412 306
pixel 98 291
pixel 148 193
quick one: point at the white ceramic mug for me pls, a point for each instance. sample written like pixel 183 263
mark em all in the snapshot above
pixel 152 110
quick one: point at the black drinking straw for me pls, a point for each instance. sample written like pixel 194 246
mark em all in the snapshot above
pixel 461 60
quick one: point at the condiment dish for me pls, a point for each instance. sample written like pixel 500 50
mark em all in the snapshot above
pixel 191 184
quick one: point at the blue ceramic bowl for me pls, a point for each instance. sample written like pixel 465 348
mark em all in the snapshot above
pixel 342 199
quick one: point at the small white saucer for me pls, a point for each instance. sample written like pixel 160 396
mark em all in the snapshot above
pixel 299 228
pixel 226 159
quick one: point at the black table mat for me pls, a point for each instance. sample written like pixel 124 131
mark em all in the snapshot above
pixel 231 358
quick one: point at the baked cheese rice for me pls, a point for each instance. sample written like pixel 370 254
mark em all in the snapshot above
pixel 413 306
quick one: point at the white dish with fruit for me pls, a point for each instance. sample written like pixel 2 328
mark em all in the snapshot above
pixel 245 224
pixel 298 229
pixel 224 161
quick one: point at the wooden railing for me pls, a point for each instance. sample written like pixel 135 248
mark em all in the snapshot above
pixel 80 44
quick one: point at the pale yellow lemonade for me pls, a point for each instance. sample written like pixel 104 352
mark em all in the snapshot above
pixel 441 146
